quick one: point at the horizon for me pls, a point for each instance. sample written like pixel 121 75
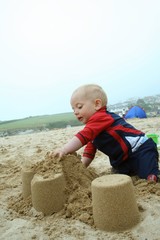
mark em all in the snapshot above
pixel 120 102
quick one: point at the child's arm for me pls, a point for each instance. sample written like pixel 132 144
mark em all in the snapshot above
pixel 73 145
pixel 88 154
pixel 86 161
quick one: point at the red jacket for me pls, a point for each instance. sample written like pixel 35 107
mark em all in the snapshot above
pixel 110 134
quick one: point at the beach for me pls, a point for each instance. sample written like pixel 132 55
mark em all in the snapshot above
pixel 20 220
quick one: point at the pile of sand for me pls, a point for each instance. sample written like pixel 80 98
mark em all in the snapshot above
pixel 78 187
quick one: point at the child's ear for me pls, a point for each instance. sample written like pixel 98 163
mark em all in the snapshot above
pixel 98 104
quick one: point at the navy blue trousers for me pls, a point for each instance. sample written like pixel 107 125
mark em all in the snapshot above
pixel 143 162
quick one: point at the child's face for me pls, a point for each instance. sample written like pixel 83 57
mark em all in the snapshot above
pixel 82 107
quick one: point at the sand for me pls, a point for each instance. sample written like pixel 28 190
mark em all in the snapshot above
pixel 18 218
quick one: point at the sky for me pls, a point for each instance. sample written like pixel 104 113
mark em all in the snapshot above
pixel 48 48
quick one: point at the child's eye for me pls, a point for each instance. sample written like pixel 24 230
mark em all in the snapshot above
pixel 79 106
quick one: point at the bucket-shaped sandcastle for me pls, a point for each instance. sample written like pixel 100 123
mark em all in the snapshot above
pixel 114 203
pixel 48 195
pixel 27 176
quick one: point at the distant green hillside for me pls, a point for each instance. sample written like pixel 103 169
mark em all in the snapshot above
pixel 38 123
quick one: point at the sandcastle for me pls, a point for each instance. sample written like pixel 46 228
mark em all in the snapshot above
pixel 27 176
pixel 47 194
pixel 114 203
pixel 52 185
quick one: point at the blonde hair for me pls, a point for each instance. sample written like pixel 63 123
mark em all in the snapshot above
pixel 92 91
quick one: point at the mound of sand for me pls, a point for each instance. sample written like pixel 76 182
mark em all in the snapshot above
pixel 78 187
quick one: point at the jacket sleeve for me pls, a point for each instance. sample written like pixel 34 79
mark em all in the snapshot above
pixel 89 150
pixel 93 128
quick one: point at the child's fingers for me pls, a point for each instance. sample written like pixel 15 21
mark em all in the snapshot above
pixel 51 154
pixel 57 155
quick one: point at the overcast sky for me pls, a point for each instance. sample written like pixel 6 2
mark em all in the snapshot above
pixel 50 47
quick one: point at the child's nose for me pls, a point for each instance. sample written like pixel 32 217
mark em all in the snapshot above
pixel 76 112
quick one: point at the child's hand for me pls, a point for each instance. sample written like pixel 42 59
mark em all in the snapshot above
pixel 57 153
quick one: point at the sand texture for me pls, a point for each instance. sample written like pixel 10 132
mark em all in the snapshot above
pixel 20 220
